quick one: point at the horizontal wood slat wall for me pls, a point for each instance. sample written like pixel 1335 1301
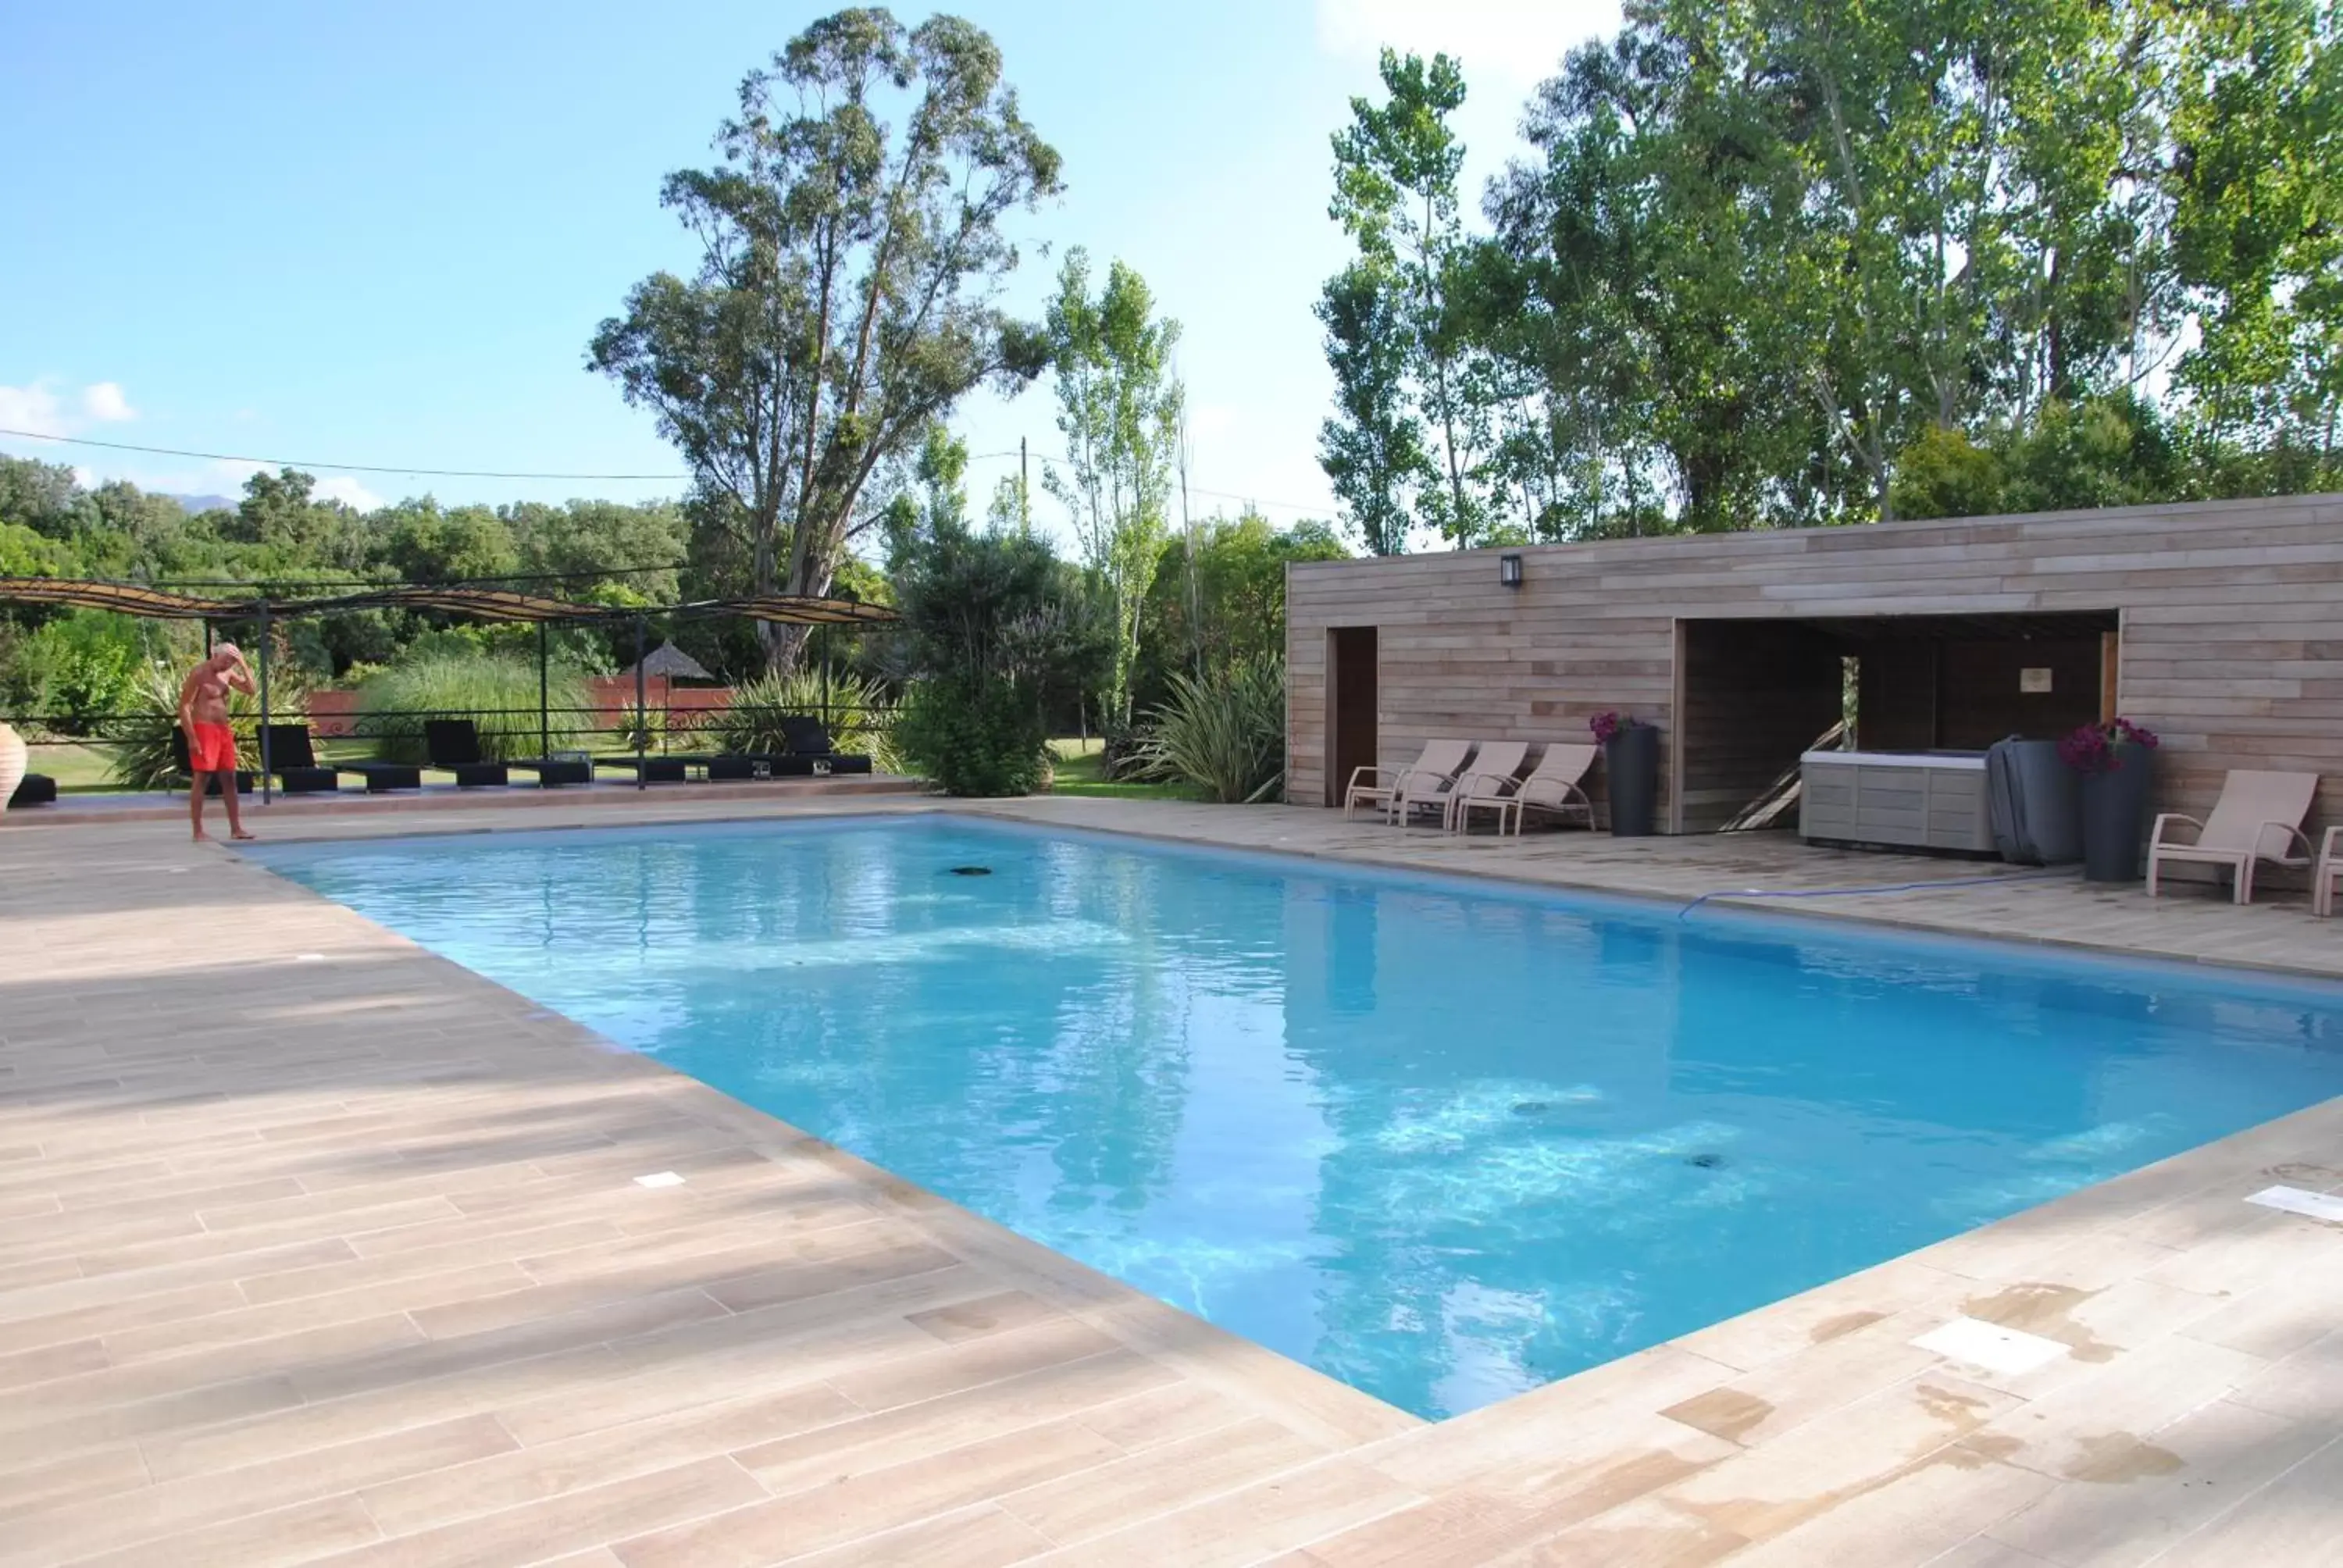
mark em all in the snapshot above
pixel 2231 644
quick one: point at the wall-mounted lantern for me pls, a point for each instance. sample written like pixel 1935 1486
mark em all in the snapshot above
pixel 1509 568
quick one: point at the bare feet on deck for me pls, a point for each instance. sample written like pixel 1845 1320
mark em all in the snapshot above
pixel 240 833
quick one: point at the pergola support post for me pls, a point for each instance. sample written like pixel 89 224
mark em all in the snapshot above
pixel 544 723
pixel 268 783
pixel 642 717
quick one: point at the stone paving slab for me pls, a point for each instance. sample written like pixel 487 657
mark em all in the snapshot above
pixel 341 1259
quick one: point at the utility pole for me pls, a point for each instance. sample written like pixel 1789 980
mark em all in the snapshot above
pixel 1024 490
pixel 1188 528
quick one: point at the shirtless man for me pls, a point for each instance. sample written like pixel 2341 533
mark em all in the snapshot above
pixel 211 744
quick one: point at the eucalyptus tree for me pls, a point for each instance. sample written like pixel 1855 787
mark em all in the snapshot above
pixel 847 296
pixel 1119 407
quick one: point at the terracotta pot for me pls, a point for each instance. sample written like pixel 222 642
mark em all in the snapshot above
pixel 12 763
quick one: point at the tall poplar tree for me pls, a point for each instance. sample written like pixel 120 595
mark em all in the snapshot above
pixel 1119 404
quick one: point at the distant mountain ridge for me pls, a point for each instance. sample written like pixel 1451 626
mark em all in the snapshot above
pixel 204 503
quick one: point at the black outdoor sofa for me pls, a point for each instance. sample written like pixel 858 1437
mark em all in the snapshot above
pixel 453 745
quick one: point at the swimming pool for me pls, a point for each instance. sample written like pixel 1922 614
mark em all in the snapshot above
pixel 1444 1141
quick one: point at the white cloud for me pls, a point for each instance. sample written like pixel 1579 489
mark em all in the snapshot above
pixel 104 401
pixel 38 409
pixel 33 410
pixel 349 491
pixel 1516 43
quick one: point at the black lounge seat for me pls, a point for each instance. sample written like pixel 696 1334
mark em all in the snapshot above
pixel 654 767
pixel 244 777
pixel 458 742
pixel 809 754
pixel 810 742
pixel 34 790
pixel 294 759
pixel 453 745
pixel 735 765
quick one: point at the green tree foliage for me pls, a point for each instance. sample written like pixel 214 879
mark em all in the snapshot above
pixel 846 297
pixel 1226 606
pixel 997 631
pixel 1760 259
pixel 1119 404
pixel 1372 448
pixel 281 539
pixel 1417 383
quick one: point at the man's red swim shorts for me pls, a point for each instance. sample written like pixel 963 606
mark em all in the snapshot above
pixel 211 750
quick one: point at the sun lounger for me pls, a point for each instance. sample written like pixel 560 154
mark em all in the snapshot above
pixel 808 740
pixel 1552 787
pixel 294 759
pixel 1495 772
pixel 653 768
pixel 2327 872
pixel 1429 777
pixel 455 745
pixel 2257 817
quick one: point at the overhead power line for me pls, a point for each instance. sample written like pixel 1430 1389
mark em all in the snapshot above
pixel 313 463
pixel 1309 511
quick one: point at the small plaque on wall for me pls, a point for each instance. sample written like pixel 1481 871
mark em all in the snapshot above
pixel 2032 680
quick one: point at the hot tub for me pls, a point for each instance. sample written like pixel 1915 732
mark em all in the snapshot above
pixel 1896 799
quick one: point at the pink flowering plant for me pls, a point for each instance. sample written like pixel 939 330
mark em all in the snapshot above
pixel 2096 747
pixel 1610 723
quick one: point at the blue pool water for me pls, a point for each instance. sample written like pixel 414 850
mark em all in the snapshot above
pixel 1444 1143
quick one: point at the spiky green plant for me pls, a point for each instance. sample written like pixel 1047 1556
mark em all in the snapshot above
pixel 498 693
pixel 142 757
pixel 1225 731
pixel 861 715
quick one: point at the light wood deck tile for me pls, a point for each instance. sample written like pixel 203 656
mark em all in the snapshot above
pixel 230 1213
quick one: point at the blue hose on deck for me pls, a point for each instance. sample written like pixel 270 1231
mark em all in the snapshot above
pixel 1851 892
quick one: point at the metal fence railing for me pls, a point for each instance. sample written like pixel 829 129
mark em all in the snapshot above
pixel 597 731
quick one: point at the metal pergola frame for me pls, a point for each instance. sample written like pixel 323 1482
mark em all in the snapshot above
pixel 478 601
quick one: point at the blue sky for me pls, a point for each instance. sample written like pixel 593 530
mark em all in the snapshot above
pixel 377 233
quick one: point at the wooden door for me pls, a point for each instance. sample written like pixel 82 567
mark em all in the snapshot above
pixel 1350 706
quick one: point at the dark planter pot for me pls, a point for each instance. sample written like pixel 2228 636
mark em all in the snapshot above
pixel 2115 816
pixel 1630 766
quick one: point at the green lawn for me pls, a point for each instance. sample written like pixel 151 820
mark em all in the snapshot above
pixel 1078 774
pixel 76 766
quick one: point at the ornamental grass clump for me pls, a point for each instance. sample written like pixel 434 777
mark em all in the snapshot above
pixel 861 715
pixel 497 692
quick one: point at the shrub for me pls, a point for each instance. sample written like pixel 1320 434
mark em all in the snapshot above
pixel 974 737
pixel 80 670
pixel 1225 731
pixel 862 717
pixel 498 693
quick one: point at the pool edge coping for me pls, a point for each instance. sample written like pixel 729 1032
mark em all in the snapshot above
pixel 1073 1284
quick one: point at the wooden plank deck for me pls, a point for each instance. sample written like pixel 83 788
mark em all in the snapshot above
pixel 317 1248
